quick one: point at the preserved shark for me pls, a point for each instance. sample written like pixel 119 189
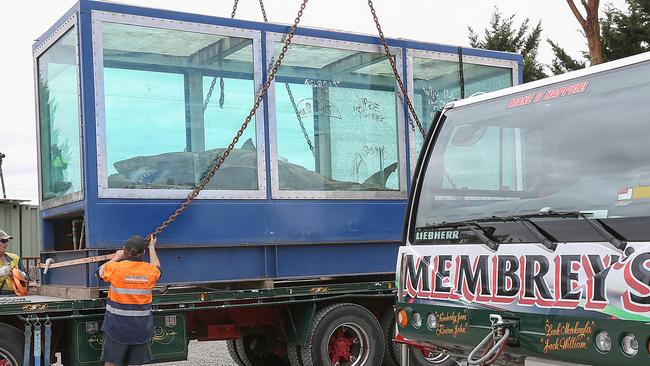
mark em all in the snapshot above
pixel 183 170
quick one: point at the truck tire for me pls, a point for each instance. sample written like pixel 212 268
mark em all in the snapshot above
pixel 11 346
pixel 393 351
pixel 345 333
pixel 232 350
pixel 253 350
pixel 294 355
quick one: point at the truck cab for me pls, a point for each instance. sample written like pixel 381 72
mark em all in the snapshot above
pixel 528 220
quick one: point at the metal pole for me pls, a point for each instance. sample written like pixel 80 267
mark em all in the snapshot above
pixel 2 178
pixel 404 359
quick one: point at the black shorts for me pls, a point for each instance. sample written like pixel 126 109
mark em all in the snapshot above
pixel 125 354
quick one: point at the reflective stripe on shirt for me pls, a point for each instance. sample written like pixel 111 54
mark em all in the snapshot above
pixel 123 312
pixel 130 291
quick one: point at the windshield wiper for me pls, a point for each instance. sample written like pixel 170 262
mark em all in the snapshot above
pixel 547 240
pixel 605 231
pixel 481 234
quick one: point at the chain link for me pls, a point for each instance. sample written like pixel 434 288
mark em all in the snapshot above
pixel 389 55
pixel 222 95
pixel 302 125
pixel 266 20
pixel 216 163
pixel 234 9
pixel 293 100
pixel 404 96
pixel 207 98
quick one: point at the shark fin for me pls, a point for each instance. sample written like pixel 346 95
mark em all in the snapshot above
pixel 381 176
pixel 248 145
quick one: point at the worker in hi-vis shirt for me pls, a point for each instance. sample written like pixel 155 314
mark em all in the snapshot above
pixel 128 323
pixel 13 276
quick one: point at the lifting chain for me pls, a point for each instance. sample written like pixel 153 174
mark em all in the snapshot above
pixel 207 99
pixel 216 163
pixel 213 83
pixel 404 96
pixel 389 55
pixel 234 9
pixel 222 95
pixel 266 20
pixel 291 98
pixel 299 117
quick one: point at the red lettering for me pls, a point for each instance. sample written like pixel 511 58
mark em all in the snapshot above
pixel 582 86
pixel 641 289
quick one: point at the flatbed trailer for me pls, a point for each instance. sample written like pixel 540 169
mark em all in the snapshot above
pixel 185 314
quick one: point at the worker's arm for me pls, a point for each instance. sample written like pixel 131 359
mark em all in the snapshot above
pixel 153 257
pixel 22 269
pixel 118 256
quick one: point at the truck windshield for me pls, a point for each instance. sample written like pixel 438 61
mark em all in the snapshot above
pixel 579 145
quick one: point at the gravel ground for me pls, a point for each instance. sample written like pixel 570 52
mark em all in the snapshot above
pixel 202 353
pixel 206 353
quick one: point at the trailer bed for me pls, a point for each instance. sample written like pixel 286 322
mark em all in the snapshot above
pixel 188 299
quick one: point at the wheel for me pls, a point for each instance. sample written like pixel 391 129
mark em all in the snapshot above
pixel 11 346
pixel 232 350
pixel 258 350
pixel 294 355
pixel 423 358
pixel 343 335
pixel 417 357
pixel 391 349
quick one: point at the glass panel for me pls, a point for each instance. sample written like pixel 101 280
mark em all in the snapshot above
pixel 483 159
pixel 58 101
pixel 336 121
pixel 484 79
pixel 173 101
pixel 435 83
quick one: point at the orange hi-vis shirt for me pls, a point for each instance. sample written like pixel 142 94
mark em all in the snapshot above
pixel 128 318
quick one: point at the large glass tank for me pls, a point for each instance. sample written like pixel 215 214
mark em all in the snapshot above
pixel 135 104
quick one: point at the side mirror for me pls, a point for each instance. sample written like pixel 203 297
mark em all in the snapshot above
pixel 468 135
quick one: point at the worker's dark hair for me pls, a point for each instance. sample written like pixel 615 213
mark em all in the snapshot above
pixel 134 247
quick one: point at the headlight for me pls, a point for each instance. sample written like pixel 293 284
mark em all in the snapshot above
pixel 431 321
pixel 417 320
pixel 402 318
pixel 630 345
pixel 603 342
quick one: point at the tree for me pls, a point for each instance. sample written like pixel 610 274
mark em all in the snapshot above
pixel 502 35
pixel 563 62
pixel 591 26
pixel 626 33
pixel 623 33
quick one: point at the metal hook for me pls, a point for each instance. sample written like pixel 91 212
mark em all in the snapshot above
pixel 38 321
pixel 47 321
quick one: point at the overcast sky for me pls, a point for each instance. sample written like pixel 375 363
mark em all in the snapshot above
pixel 424 20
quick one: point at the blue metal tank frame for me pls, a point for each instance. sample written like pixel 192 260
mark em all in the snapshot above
pixel 234 239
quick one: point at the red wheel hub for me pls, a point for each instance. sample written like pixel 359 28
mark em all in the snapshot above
pixel 425 352
pixel 339 346
pixel 4 363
